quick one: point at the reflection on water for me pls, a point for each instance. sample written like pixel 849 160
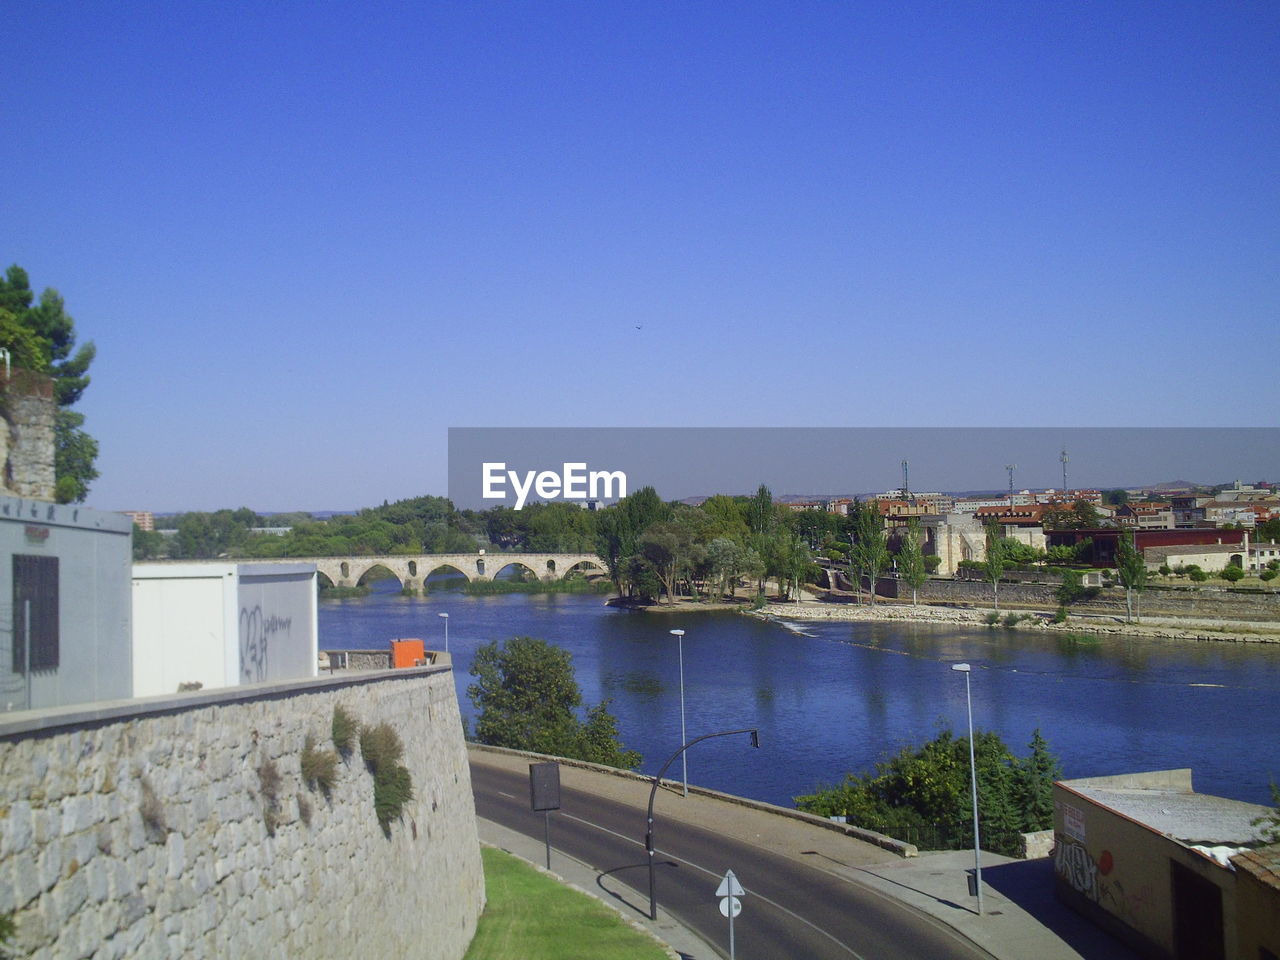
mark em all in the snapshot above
pixel 836 697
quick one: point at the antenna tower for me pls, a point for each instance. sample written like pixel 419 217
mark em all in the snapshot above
pixel 906 487
pixel 1064 458
pixel 1011 467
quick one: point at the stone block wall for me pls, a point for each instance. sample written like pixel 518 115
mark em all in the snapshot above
pixel 147 828
pixel 27 410
pixel 1206 603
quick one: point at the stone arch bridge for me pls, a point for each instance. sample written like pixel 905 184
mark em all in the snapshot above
pixel 412 571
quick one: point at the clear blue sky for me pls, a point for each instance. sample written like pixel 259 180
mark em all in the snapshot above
pixel 309 237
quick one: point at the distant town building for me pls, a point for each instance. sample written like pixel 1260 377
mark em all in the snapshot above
pixel 145 519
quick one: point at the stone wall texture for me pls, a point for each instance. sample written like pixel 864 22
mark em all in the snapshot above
pixel 27 411
pixel 141 829
pixel 1206 602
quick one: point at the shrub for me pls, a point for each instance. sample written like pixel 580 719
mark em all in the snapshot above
pixel 344 730
pixel 1197 575
pixel 1267 575
pixel 992 618
pixel 1232 574
pixel 152 813
pixel 319 767
pixel 1013 619
pixel 382 749
pixel 269 782
pixel 1165 570
pixel 931 563
pixel 1060 616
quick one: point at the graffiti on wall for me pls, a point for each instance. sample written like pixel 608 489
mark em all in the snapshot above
pixel 1092 878
pixel 1074 864
pixel 257 631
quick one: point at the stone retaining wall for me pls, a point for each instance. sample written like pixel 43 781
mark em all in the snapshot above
pixel 1206 603
pixel 147 829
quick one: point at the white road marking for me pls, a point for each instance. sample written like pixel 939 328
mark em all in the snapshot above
pixel 716 876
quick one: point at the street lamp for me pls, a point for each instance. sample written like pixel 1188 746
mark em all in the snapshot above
pixel 445 617
pixel 653 793
pixel 684 761
pixel 973 780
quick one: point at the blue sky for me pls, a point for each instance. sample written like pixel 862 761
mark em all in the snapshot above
pixel 309 238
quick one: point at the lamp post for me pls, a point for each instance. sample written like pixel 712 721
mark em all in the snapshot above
pixel 684 761
pixel 653 793
pixel 445 618
pixel 973 780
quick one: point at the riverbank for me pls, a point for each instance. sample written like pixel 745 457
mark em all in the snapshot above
pixel 1162 627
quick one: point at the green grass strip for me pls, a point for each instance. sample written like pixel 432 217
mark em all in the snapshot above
pixel 530 916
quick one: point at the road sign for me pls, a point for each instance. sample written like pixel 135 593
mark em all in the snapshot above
pixel 730 905
pixel 730 887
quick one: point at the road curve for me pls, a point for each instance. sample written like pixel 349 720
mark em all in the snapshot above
pixel 794 907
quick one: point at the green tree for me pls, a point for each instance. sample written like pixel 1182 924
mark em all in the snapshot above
pixel 911 565
pixel 147 544
pixel 41 335
pixel 924 792
pixel 1034 785
pixel 527 698
pixel 1132 570
pixel 993 565
pixel 618 530
pixel 1069 591
pixel 1232 573
pixel 870 553
pixel 1270 822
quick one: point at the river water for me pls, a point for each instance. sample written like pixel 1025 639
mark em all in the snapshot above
pixel 837 697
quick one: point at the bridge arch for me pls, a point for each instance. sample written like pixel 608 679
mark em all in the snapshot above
pixel 526 565
pixel 430 568
pixel 378 569
pixel 583 567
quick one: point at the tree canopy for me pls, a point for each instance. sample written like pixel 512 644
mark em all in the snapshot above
pixel 40 336
pixel 923 792
pixel 528 699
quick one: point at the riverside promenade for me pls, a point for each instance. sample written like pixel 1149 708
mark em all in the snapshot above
pixel 1021 916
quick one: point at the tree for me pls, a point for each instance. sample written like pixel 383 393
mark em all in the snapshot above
pixel 1035 776
pixel 994 562
pixel 911 565
pixel 1232 573
pixel 1132 570
pixel 1069 591
pixel 41 336
pixel 870 553
pixel 924 791
pixel 1270 822
pixel 528 699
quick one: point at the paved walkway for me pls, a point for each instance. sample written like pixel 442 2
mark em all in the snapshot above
pixel 1021 919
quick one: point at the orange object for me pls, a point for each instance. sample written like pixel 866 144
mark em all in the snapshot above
pixel 407 652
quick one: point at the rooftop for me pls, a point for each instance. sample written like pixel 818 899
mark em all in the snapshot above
pixel 1183 814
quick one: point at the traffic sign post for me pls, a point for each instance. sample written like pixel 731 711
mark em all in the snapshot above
pixel 730 906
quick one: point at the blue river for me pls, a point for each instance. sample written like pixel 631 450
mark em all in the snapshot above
pixel 830 698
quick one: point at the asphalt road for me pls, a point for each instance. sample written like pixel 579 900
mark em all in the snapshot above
pixel 792 909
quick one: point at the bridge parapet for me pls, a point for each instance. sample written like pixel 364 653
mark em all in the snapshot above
pixel 413 570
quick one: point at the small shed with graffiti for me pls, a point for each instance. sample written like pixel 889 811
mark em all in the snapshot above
pixel 1149 859
pixel 220 624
